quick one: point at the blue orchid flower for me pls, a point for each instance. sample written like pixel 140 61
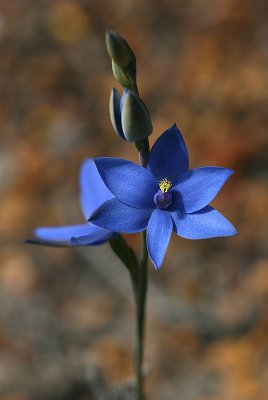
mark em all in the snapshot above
pixel 164 197
pixel 93 193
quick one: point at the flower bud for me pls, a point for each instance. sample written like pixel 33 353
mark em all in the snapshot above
pixel 119 50
pixel 129 116
pixel 120 76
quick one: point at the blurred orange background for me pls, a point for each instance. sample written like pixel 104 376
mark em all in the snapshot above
pixel 66 316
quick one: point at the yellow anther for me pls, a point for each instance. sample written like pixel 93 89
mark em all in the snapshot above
pixel 164 185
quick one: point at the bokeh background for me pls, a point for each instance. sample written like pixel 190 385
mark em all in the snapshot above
pixel 66 316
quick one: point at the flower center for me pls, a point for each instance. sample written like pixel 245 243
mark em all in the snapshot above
pixel 164 185
pixel 162 198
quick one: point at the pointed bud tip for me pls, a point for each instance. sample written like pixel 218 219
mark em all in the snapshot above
pixel 118 49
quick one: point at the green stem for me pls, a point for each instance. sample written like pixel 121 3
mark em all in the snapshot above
pixel 140 290
pixel 144 151
pixel 140 283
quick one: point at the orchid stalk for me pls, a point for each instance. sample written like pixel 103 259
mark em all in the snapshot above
pixel 160 196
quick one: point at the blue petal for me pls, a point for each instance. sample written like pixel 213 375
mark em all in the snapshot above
pixel 74 235
pixel 198 187
pixel 158 235
pixel 115 113
pixel 131 184
pixel 203 224
pixel 169 156
pixel 93 191
pixel 100 236
pixel 119 217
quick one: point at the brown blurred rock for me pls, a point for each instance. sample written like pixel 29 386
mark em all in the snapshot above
pixel 18 274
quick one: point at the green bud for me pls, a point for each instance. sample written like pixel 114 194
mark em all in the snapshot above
pixel 135 118
pixel 129 116
pixel 119 50
pixel 120 76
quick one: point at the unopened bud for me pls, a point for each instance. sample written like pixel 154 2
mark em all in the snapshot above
pixel 123 59
pixel 120 75
pixel 129 116
pixel 119 50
